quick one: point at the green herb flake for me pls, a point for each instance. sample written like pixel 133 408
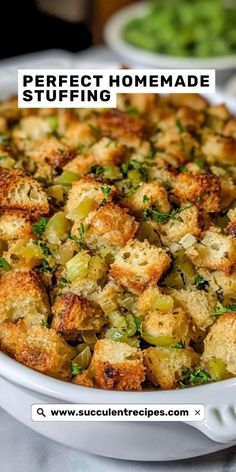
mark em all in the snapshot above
pixel 220 309
pixel 132 111
pixel 45 324
pixel 181 168
pixel 4 264
pixel 53 123
pixel 76 369
pixel 194 377
pixel 95 131
pixel 44 266
pixel 81 235
pixel 162 218
pixel 192 152
pixel 46 250
pixel 179 345
pixel 179 126
pixel 145 198
pixel 201 163
pixel 199 281
pixel 4 138
pixel 106 191
pixel 96 170
pixel 40 226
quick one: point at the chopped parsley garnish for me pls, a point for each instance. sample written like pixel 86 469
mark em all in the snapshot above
pixel 179 345
pixel 192 152
pixel 194 377
pixel 200 162
pixel 53 122
pixel 76 369
pixel 97 170
pixel 3 138
pixel 4 264
pixel 163 218
pixel 179 126
pixel 200 281
pixel 81 149
pixel 46 250
pixel 106 191
pixel 220 309
pixel 40 226
pixel 45 324
pixel 145 198
pixel 95 131
pixel 132 111
pixel 140 167
pixel 44 266
pixel 181 168
pixel 81 235
pixel 124 168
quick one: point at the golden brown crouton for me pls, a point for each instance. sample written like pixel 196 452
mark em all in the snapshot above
pixel 230 128
pixel 21 192
pixel 49 153
pixel 110 226
pixel 117 366
pixel 201 189
pixel 119 125
pixel 190 118
pixel 140 102
pixel 79 134
pixel 214 251
pixel 23 295
pixel 146 195
pixel 220 342
pixel 39 348
pixel 15 225
pixel 219 111
pixel 166 328
pixel 85 196
pixel 219 149
pixel 107 152
pixel 227 283
pixel 198 304
pixel 139 263
pixel 186 222
pixel 165 365
pixel 83 379
pixel 191 100
pixel 72 314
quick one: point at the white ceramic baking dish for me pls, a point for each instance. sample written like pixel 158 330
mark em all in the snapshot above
pixel 20 386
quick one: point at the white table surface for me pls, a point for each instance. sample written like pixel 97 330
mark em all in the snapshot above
pixel 22 450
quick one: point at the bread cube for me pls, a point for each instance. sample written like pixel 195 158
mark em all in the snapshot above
pixel 117 366
pixel 146 195
pixel 39 348
pixel 164 366
pixel 220 343
pixel 21 192
pixel 191 100
pixel 201 189
pixel 186 222
pixel 166 328
pixel 214 251
pixel 49 153
pixel 109 226
pixel 120 125
pixel 198 304
pixel 219 149
pixel 14 225
pixel 138 264
pixel 73 314
pixel 23 295
pixel 85 196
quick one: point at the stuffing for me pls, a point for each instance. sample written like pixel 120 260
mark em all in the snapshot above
pixel 214 251
pixel 21 192
pixel 191 100
pixel 109 226
pixel 164 366
pixel 128 129
pixel 73 314
pixel 219 149
pixel 201 189
pixel 15 225
pixel 190 118
pixel 220 343
pixel 230 128
pixel 49 153
pixel 186 222
pixel 138 264
pixel 137 102
pixel 219 111
pixel 108 152
pixel 146 195
pixel 23 295
pixel 79 134
pixel 86 273
pixel 198 304
pixel 163 328
pixel 39 348
pixel 117 366
pixel 86 195
pixel 31 127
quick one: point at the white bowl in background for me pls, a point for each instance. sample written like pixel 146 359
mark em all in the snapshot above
pixel 145 58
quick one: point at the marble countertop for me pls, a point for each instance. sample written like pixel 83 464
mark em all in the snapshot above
pixel 23 450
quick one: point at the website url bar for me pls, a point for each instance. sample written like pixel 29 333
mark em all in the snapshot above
pixel 118 412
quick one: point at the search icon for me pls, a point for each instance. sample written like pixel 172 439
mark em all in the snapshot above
pixel 40 411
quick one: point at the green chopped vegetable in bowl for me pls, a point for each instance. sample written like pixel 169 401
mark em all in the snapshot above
pixel 185 28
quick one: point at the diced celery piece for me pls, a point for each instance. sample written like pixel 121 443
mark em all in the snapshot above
pixel 56 192
pixel 162 341
pixel 217 369
pixel 134 175
pixel 84 208
pixel 131 325
pixel 89 337
pixel 57 228
pixel 77 267
pixel 163 303
pixel 7 162
pixel 112 173
pixel 66 178
pixel 83 358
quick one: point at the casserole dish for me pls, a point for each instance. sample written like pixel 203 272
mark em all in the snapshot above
pixel 174 441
